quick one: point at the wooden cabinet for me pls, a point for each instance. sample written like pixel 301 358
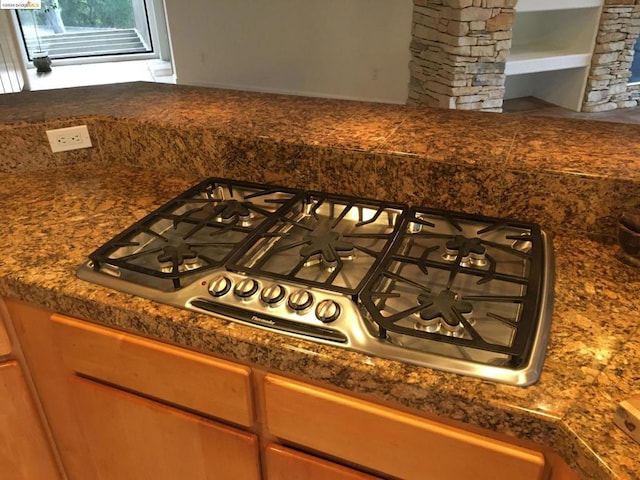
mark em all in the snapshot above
pixel 135 438
pixel 25 453
pixel 194 381
pixel 283 463
pixel 389 441
pixel 153 412
pixel 34 330
pixel 5 344
pixel 121 406
pixel 25 450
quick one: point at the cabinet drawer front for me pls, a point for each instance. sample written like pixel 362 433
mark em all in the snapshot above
pixel 286 464
pixel 135 438
pixel 171 374
pixel 389 441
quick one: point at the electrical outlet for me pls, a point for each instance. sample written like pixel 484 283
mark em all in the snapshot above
pixel 70 138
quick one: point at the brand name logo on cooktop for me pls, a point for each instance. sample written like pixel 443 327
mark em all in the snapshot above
pixel 257 319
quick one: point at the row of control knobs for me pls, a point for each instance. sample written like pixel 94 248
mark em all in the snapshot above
pixel 299 301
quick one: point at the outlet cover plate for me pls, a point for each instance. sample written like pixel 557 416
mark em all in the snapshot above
pixel 70 138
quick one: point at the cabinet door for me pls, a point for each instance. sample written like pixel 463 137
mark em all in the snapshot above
pixel 35 334
pixel 196 382
pixel 389 441
pixel 286 464
pixel 134 438
pixel 24 448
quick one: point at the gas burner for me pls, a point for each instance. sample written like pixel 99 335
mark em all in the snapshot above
pixel 467 252
pixel 324 241
pixel 232 212
pixel 465 289
pixel 178 258
pixel 327 249
pixel 443 313
pixel 194 233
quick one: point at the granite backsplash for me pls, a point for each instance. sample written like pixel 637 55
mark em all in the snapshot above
pixel 569 176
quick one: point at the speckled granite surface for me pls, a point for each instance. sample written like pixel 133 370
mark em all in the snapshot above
pixel 592 358
pixel 573 176
pixel 141 132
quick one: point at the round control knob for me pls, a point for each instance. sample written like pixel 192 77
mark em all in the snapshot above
pixel 273 294
pixel 246 288
pixel 327 311
pixel 300 300
pixel 220 286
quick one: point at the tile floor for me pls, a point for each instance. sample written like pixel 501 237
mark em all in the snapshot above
pixel 159 71
pixel 535 106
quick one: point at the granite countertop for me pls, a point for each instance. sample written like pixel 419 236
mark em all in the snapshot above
pixel 86 197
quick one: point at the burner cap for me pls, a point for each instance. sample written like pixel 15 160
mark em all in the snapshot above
pixel 178 258
pixel 443 310
pixel 466 245
pixel 327 249
pixel 226 212
pixel 469 250
pixel 230 211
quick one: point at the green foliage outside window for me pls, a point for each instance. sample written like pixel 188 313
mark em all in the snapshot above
pixel 97 13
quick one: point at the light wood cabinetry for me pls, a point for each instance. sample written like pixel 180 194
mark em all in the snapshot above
pixel 121 406
pixel 283 463
pixel 5 344
pixel 24 450
pixel 197 382
pixel 390 441
pixel 136 438
pixel 86 417
pixel 133 437
pixel 35 333
pixel 553 41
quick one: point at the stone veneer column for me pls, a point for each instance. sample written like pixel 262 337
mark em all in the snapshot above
pixel 459 49
pixel 610 70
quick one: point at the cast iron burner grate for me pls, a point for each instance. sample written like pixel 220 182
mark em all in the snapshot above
pixel 326 241
pixel 471 283
pixel 192 234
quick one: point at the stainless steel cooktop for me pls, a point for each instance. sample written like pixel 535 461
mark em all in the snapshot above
pixel 460 293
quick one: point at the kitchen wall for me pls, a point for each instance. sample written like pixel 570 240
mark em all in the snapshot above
pixel 354 49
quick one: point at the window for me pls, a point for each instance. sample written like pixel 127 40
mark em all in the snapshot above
pixel 86 28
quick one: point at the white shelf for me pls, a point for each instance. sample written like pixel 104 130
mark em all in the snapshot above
pixel 560 87
pixel 530 61
pixel 553 43
pixel 543 5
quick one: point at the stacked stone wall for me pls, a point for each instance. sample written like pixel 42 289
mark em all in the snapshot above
pixel 607 85
pixel 459 50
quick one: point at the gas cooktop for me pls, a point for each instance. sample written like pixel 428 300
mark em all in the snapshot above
pixel 462 293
